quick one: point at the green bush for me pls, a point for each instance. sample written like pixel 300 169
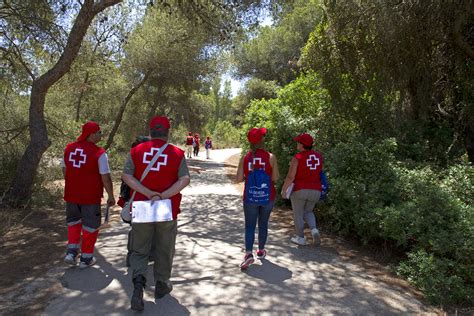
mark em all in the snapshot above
pixel 225 135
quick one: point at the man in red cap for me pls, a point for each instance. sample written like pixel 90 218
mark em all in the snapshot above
pixel 305 175
pixel 189 145
pixel 86 171
pixel 167 175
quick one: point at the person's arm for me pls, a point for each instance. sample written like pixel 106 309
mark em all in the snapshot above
pixel 132 182
pixel 104 171
pixel 174 189
pixel 107 182
pixel 240 170
pixel 275 171
pixel 290 177
pixel 136 185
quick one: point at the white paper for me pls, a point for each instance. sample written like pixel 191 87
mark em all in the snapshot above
pixel 289 190
pixel 150 212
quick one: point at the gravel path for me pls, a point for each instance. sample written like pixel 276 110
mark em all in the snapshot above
pixel 206 277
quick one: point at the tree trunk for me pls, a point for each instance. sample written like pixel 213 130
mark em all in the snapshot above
pixel 119 116
pixel 21 187
pixel 154 106
pixel 81 95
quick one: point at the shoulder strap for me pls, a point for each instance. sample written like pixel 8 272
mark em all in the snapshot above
pixel 150 165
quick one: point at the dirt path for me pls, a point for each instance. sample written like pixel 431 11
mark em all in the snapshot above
pixel 206 277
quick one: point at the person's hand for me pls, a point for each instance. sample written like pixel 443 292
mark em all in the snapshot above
pixel 111 201
pixel 196 169
pixel 156 197
pixel 153 194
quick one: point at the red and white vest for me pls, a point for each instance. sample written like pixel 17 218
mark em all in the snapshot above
pixel 189 140
pixel 163 174
pixel 261 159
pixel 310 164
pixel 83 180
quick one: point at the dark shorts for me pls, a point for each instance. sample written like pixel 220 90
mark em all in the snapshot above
pixel 89 214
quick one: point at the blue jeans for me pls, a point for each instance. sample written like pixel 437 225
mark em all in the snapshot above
pixel 254 212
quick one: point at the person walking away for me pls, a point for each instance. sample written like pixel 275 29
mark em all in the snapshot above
pixel 208 146
pixel 189 144
pixel 259 169
pixel 167 174
pixel 86 172
pixel 304 174
pixel 196 145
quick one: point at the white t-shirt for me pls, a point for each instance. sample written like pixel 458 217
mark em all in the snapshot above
pixel 103 164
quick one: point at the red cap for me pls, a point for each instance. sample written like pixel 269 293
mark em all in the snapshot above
pixel 160 123
pixel 87 129
pixel 304 139
pixel 256 134
pixel 196 135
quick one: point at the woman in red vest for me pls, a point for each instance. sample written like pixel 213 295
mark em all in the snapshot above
pixel 304 176
pixel 257 158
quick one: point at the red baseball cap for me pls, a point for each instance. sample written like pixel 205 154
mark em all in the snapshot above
pixel 160 123
pixel 304 139
pixel 87 129
pixel 256 134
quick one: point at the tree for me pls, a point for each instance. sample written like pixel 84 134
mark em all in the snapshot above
pixel 273 52
pixel 22 184
pixel 405 66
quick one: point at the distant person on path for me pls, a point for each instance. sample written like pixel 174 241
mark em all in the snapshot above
pixel 161 187
pixel 259 169
pixel 189 145
pixel 304 174
pixel 86 172
pixel 208 146
pixel 196 145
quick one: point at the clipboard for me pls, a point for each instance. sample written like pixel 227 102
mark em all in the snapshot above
pixel 152 211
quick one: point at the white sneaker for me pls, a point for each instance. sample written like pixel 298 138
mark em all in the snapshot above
pixel 85 263
pixel 299 240
pixel 316 236
pixel 71 259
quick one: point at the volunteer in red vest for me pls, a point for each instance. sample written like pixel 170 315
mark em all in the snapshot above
pixel 208 146
pixel 304 173
pixel 189 145
pixel 161 187
pixel 196 145
pixel 86 171
pixel 257 158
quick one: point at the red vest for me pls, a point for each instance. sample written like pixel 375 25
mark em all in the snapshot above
pixel 163 174
pixel 260 160
pixel 310 164
pixel 189 140
pixel 83 180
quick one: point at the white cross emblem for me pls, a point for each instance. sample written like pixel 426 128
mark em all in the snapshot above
pixel 312 162
pixel 259 165
pixel 78 159
pixel 161 161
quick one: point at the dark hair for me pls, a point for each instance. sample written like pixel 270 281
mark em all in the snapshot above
pixel 162 133
pixel 307 147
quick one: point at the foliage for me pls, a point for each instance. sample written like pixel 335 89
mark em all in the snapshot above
pixel 225 135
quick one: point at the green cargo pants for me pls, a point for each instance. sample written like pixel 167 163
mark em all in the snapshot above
pixel 163 235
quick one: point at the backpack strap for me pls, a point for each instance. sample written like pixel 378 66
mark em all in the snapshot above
pixel 150 165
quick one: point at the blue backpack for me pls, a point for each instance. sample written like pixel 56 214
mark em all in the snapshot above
pixel 257 190
pixel 324 184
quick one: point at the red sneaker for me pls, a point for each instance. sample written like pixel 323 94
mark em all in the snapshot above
pixel 261 253
pixel 248 260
